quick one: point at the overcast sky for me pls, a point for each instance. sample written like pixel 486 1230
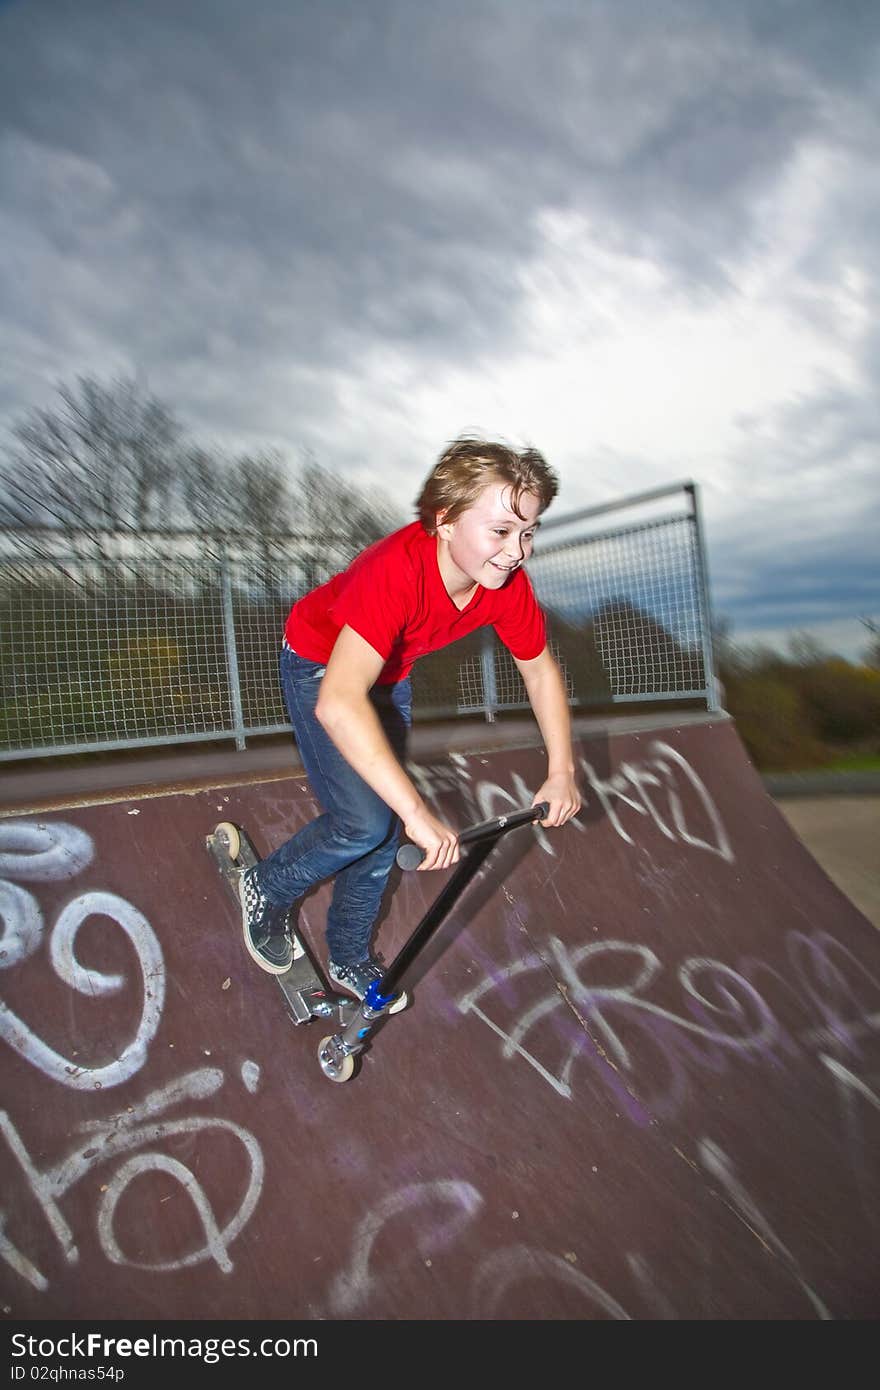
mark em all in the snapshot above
pixel 641 235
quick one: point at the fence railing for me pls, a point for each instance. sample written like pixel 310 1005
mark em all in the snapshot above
pixel 100 653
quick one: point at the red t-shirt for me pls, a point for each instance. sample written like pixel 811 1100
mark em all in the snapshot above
pixel 394 597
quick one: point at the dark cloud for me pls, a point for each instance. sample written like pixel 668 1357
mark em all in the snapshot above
pixel 378 168
pixel 799 543
pixel 254 206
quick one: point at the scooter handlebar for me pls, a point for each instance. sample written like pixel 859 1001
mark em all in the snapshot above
pixel 409 856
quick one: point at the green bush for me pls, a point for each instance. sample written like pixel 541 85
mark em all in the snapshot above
pixel 841 700
pixel 773 723
pixel 803 710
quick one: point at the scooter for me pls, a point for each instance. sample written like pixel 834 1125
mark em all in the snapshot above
pixel 338 1052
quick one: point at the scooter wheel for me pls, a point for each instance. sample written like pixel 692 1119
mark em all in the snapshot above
pixel 343 1072
pixel 228 837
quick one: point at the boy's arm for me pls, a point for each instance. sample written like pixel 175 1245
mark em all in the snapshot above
pixel 546 691
pixel 344 711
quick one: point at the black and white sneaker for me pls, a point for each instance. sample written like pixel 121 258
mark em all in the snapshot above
pixel 356 980
pixel 265 927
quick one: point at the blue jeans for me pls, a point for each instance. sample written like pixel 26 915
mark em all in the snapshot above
pixel 355 840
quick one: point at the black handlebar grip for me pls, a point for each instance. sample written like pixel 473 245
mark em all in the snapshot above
pixel 409 856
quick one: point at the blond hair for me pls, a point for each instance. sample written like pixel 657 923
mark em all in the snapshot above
pixel 468 465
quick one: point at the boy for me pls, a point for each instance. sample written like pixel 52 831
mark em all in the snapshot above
pixel 348 648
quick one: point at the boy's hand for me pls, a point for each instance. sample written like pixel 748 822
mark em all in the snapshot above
pixel 439 842
pixel 561 793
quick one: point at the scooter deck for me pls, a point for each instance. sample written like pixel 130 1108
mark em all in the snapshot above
pixel 303 986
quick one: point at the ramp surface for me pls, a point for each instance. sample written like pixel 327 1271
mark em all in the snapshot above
pixel 639 1077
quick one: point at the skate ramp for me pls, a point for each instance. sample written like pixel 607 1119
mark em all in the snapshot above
pixel 639 1077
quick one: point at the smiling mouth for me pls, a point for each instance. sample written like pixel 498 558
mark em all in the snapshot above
pixel 505 569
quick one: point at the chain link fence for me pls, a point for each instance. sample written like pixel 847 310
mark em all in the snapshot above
pixel 104 653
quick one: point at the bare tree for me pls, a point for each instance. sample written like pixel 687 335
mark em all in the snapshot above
pixel 240 498
pixel 265 493
pixel 103 459
pixel 207 487
pixel 330 506
pixel 872 651
pixel 111 459
pixel 325 506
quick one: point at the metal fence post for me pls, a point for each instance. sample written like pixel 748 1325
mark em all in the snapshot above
pixel 713 703
pixel 490 681
pixel 231 651
pixel 632 603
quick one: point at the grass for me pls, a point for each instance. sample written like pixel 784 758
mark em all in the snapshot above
pixel 855 762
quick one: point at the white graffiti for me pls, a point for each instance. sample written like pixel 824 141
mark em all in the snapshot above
pixel 498 1272
pixel 351 1288
pixel 56 852
pixel 847 1078
pixel 119 1134
pixel 719 1166
pixel 591 1002
pixel 22 924
pixel 643 1277
pixel 641 779
pixel 496 801
pixel 643 1057
pixel 503 1269
pixel 665 776
pixel 743 1020
pixel 852 1092
pixel 35 852
pixel 47 853
pixel 218 1239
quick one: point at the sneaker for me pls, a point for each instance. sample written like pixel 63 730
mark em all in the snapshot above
pixel 265 927
pixel 356 980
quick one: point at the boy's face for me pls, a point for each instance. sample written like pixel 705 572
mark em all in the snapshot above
pixel 489 541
